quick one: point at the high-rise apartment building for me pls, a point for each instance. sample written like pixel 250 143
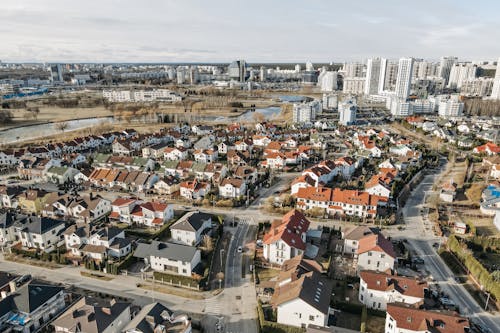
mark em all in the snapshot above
pixel 445 67
pixel 495 94
pixel 461 72
pixel 373 70
pixel 403 81
pixel 347 111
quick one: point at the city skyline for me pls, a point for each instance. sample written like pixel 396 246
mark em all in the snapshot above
pixel 192 31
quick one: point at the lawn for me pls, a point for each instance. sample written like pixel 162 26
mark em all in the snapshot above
pixel 375 324
pixel 266 274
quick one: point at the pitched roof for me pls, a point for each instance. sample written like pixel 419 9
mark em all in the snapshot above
pixel 311 288
pixel 28 298
pixel 166 250
pixel 149 317
pixel 382 281
pixel 410 318
pixel 91 316
pixel 376 242
pixel 295 267
pixel 289 229
pixel 191 221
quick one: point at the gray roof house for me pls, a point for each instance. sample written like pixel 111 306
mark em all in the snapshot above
pixel 91 316
pixel 156 317
pixel 190 228
pixel 169 257
pixel 30 307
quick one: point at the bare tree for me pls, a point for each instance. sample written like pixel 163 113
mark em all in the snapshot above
pixel 61 126
pixel 208 244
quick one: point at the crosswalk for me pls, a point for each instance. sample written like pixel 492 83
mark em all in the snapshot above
pixel 215 306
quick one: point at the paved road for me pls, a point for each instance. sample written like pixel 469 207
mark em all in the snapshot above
pixel 421 239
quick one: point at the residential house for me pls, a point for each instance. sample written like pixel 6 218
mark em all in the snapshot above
pixel 175 154
pixel 96 243
pixel 407 318
pixel 489 149
pixel 304 301
pixel 375 252
pixel 156 317
pixel 274 160
pixel 41 233
pixel 8 221
pixel 286 237
pixel 232 188
pixel 91 315
pixel 169 257
pixel 353 236
pixel 205 155
pixel 30 307
pixel 448 191
pixel 377 289
pixel 167 185
pixel 60 175
pixel 152 214
pixel 190 228
pixel 122 208
pixel 194 190
pixel 9 196
pixel 32 200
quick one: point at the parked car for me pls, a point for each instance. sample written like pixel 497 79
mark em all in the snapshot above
pixel 446 301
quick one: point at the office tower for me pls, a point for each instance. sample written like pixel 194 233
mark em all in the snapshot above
pixel 461 72
pixel 309 66
pixel 403 81
pixel 330 101
pixel 237 70
pixel 297 68
pixel 347 111
pixel 372 76
pixel 328 81
pixel 495 94
pixel 445 67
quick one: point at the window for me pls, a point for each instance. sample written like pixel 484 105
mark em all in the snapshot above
pixel 311 318
pixel 374 303
pixel 382 255
pixel 369 262
pixel 379 305
pixel 369 254
pixel 361 297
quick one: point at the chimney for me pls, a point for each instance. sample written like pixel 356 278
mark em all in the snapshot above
pixel 106 311
pixel 150 319
pixel 112 302
pixel 3 294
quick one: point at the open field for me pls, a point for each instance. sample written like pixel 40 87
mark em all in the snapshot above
pixel 55 114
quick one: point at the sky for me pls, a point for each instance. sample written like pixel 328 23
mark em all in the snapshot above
pixel 254 30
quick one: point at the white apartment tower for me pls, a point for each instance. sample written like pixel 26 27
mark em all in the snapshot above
pixel 373 73
pixel 403 81
pixel 495 94
pixel 445 67
pixel 329 81
pixel 461 72
pixel 347 111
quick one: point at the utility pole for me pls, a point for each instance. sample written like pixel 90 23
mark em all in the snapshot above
pixel 487 300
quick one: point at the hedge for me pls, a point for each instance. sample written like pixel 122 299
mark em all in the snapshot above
pixel 43 256
pixel 115 267
pixel 176 279
pixel 348 307
pixel 475 268
pixel 272 327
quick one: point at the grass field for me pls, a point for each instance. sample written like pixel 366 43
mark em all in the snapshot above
pixel 55 114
